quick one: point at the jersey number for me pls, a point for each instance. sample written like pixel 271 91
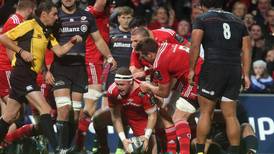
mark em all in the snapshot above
pixel 227 32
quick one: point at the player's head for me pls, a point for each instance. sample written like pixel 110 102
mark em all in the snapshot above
pixel 137 22
pixel 124 80
pixel 69 4
pixel 137 35
pixel 47 12
pixel 125 15
pixel 26 6
pixel 147 49
pixel 212 3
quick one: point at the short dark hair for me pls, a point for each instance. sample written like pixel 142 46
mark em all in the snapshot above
pixel 125 10
pixel 45 6
pixel 123 71
pixel 212 3
pixel 26 4
pixel 140 31
pixel 146 46
pixel 137 22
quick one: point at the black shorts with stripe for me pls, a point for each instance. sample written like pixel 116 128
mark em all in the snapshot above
pixel 73 77
pixel 220 81
pixel 22 82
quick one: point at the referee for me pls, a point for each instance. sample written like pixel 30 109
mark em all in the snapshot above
pixel 32 37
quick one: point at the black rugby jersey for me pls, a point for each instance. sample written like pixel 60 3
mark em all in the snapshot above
pixel 79 23
pixel 223 33
pixel 120 46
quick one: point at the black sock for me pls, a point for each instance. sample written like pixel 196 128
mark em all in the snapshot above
pixel 4 127
pixel 234 149
pixel 101 134
pixel 63 134
pixel 46 126
pixel 72 131
pixel 251 142
pixel 200 148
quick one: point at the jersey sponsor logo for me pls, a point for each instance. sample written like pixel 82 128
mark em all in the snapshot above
pixel 122 45
pixel 84 28
pixel 208 92
pixel 68 29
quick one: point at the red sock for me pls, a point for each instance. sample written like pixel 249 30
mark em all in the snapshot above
pixel 82 129
pixel 84 124
pixel 171 140
pixel 183 134
pixel 25 130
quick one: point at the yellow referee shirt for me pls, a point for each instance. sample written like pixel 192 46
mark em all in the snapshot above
pixel 30 37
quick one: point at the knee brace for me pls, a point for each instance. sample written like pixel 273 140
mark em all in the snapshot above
pixel 77 105
pixel 62 101
pixel 93 94
pixel 184 105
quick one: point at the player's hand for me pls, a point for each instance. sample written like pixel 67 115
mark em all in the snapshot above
pixel 144 86
pixel 190 77
pixel 113 63
pixel 145 143
pixel 140 74
pixel 246 82
pixel 126 143
pixel 49 78
pixel 76 39
pixel 26 56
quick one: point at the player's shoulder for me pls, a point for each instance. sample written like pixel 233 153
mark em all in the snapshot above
pixel 84 14
pixel 164 31
pixel 14 19
pixel 115 31
pixel 113 90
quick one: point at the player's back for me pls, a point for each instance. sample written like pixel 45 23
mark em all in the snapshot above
pixel 223 33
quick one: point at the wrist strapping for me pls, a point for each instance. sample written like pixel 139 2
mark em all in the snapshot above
pixel 122 136
pixel 148 133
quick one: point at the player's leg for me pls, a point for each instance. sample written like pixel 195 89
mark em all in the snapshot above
pixel 101 119
pixel 8 116
pixel 165 116
pixel 36 99
pixel 204 124
pixel 185 106
pixel 77 105
pixel 248 139
pixel 63 104
pixel 228 108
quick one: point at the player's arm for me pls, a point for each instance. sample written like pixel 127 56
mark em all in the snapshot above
pixel 246 60
pixel 151 122
pixel 103 48
pixel 61 50
pixel 9 44
pixel 10 54
pixel 118 125
pixel 197 36
pixel 117 120
pixel 161 90
pixel 151 111
pixel 100 5
pixel 152 118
